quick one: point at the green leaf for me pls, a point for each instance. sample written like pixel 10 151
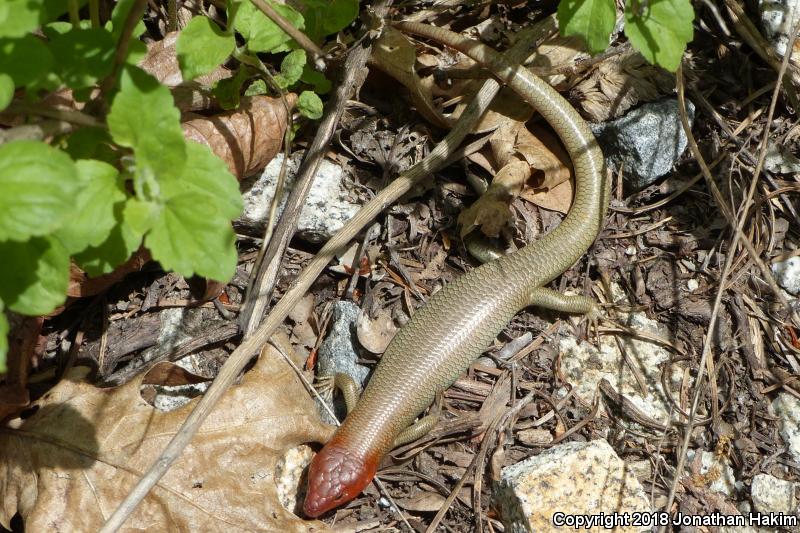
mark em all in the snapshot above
pixel 193 234
pixel 592 20
pixel 316 79
pixel 115 250
pixel 228 90
pixel 324 17
pixel 258 87
pixel 3 339
pixel 33 275
pixel 261 33
pixel 6 90
pixel 89 143
pixel 143 116
pixel 92 218
pixel 291 69
pixel 660 30
pixel 118 16
pixel 207 174
pixel 26 59
pixel 192 237
pixel 82 57
pixel 139 215
pixel 309 105
pixel 202 46
pixel 37 188
pixel 18 17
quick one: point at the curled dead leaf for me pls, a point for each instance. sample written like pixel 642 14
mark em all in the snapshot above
pixel 246 139
pixel 67 465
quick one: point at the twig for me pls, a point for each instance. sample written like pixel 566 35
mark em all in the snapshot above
pixel 314 51
pixel 66 115
pixel 250 346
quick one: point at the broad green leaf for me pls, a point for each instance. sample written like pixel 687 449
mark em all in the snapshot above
pixel 26 59
pixel 115 250
pixel 38 185
pixel 89 143
pixel 291 69
pixel 202 46
pixel 309 105
pixel 192 237
pixel 261 33
pixel 660 30
pixel 118 16
pixel 6 90
pixel 591 20
pixel 192 233
pixel 227 91
pixel 92 218
pixel 316 79
pixel 3 339
pixel 143 116
pixel 206 174
pixel 140 215
pixel 33 275
pixel 258 87
pixel 18 17
pixel 324 17
pixel 82 57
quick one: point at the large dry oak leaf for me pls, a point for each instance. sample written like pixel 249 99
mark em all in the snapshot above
pixel 67 466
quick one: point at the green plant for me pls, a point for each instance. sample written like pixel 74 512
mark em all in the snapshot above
pixel 658 29
pixel 124 176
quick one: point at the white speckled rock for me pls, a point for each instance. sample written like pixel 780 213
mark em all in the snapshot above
pixel 326 209
pixel 579 478
pixel 772 495
pixel 584 366
pixel 787 274
pixel 722 477
pixel 787 407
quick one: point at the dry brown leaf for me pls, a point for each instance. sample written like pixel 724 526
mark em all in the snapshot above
pixel 559 198
pixel 532 165
pixel 66 467
pixel 491 212
pixel 246 139
pixel 375 335
pixel 544 154
pixel 620 82
pixel 169 374
pixel 396 55
pixel 81 285
pixel 424 502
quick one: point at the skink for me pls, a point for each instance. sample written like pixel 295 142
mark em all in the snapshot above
pixel 460 321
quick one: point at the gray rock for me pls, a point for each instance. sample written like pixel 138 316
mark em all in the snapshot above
pixel 647 141
pixel 339 351
pixel 327 207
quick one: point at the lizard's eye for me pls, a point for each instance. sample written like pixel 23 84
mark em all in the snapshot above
pixel 339 496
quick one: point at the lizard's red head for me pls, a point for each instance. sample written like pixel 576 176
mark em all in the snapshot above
pixel 336 476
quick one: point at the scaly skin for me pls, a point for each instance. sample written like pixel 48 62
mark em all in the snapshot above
pixel 460 321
